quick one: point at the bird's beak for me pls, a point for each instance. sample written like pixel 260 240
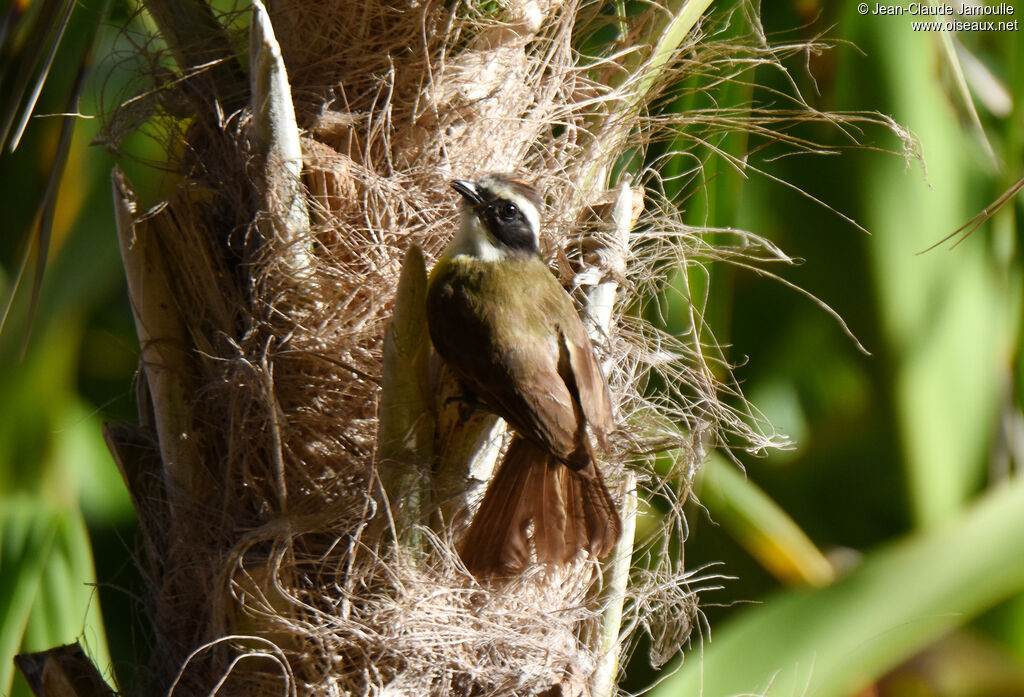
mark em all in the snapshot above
pixel 468 190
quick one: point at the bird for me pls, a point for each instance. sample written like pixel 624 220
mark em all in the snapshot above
pixel 506 327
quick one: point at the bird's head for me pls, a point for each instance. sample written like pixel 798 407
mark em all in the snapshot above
pixel 500 217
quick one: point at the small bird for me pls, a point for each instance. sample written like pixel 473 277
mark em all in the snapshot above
pixel 506 327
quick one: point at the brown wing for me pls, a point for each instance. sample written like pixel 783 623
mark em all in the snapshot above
pixel 531 395
pixel 542 376
pixel 584 374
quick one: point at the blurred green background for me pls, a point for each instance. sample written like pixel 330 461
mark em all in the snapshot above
pixel 883 554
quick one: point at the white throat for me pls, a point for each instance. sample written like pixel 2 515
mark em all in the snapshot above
pixel 473 240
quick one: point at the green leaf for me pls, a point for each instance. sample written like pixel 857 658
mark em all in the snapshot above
pixel 764 529
pixel 945 315
pixel 27 531
pixel 836 640
pixel 47 596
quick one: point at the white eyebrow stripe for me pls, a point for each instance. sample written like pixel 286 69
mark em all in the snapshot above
pixel 532 216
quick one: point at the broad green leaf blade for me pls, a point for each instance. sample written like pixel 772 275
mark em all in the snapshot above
pixel 47 596
pixel 834 641
pixel 27 531
pixel 946 316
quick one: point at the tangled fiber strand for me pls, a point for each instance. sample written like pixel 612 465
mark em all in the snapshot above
pixel 275 565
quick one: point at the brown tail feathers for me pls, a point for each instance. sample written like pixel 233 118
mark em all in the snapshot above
pixel 570 510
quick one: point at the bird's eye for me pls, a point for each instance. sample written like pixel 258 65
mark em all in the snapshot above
pixel 508 211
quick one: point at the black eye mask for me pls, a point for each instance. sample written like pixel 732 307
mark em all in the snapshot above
pixel 507 223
